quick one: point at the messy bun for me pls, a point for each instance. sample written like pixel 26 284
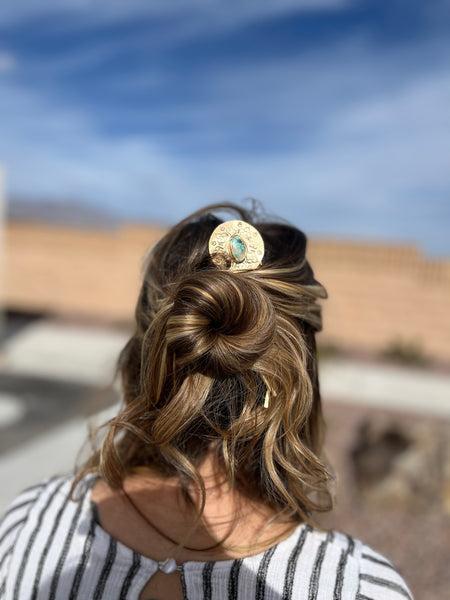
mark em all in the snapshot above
pixel 225 362
pixel 220 323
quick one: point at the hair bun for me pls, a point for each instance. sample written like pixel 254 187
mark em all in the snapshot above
pixel 221 323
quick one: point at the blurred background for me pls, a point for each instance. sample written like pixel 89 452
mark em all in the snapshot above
pixel 117 119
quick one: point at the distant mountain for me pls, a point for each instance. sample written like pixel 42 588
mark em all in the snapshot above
pixel 60 212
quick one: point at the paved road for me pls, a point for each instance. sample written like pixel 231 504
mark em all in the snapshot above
pixel 53 375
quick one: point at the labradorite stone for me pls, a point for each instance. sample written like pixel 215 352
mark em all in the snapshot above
pixel 238 248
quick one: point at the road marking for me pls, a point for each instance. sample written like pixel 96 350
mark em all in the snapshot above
pixel 12 409
pixel 385 386
pixel 74 353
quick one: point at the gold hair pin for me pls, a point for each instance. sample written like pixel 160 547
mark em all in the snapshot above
pixel 238 241
pixel 269 392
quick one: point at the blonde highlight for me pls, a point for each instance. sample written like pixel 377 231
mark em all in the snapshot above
pixel 209 344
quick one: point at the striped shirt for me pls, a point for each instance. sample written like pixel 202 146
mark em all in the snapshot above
pixel 53 548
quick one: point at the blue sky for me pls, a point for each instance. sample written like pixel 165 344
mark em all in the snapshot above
pixel 333 113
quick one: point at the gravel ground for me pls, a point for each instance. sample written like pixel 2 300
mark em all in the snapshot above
pixel 416 541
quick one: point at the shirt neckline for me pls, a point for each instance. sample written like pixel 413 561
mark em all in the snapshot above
pixel 194 565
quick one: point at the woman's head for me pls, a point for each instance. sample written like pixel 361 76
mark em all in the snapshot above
pixel 224 363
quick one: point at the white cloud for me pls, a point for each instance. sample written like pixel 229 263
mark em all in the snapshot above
pixel 373 150
pixel 8 62
pixel 192 15
pixel 53 152
pixel 112 9
pixel 376 155
pixel 189 20
pixel 372 156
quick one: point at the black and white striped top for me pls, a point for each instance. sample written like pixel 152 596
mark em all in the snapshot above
pixel 55 549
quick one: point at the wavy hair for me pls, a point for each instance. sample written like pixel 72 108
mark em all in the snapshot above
pixel 208 345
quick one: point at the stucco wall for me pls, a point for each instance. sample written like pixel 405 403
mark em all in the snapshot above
pixel 377 293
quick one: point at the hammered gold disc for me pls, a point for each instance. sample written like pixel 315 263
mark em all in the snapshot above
pixel 236 243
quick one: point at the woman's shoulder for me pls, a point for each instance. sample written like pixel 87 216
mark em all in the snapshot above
pixel 378 577
pixel 59 485
pixel 32 504
pixel 310 563
pixel 35 519
pixel 352 568
pixel 316 563
pixel 19 509
pixel 16 518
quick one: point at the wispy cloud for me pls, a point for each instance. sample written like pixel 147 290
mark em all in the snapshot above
pixel 7 62
pixel 109 10
pixel 343 134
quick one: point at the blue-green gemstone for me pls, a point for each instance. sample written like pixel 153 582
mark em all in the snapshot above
pixel 238 249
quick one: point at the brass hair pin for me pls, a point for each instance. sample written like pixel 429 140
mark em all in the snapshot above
pixel 269 392
pixel 239 242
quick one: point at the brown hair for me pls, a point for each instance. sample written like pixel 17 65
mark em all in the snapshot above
pixel 208 344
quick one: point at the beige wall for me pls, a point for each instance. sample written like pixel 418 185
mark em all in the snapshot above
pixel 381 293
pixel 377 293
pixel 76 271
